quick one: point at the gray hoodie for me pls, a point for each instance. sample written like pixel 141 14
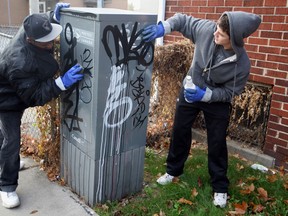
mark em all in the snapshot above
pixel 228 77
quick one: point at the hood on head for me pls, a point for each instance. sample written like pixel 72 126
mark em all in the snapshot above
pixel 242 25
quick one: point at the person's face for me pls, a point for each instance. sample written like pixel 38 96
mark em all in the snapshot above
pixel 222 38
pixel 42 45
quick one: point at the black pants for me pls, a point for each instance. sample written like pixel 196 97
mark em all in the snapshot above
pixel 217 120
pixel 10 123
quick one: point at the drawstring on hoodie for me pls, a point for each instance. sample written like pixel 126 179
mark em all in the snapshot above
pixel 234 82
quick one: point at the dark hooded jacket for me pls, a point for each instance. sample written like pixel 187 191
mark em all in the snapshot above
pixel 228 77
pixel 26 75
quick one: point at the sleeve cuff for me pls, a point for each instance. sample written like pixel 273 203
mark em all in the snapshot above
pixel 207 96
pixel 167 27
pixel 54 17
pixel 60 84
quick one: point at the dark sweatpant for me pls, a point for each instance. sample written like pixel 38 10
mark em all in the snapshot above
pixel 10 123
pixel 217 120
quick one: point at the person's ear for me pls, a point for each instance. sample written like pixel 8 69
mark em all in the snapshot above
pixel 30 40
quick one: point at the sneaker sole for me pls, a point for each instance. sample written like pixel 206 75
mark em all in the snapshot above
pixel 11 206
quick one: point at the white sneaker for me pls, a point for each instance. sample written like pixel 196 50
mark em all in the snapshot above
pixel 220 199
pixel 22 165
pixel 10 199
pixel 165 179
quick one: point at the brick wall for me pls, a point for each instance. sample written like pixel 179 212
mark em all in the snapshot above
pixel 268 52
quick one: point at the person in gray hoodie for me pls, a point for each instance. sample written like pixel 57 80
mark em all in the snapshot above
pixel 220 69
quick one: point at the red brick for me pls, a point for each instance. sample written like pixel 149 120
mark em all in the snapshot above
pixel 177 9
pixel 273 19
pixel 279 90
pixel 276 74
pixel 277 127
pixel 283 136
pixel 191 10
pixel 266 64
pixel 256 55
pixel 171 2
pixel 276 105
pixel 260 41
pixel 261 79
pixel 255 70
pixel 266 49
pixel 265 26
pixel 280 10
pixel 249 3
pixel 284 51
pixel 282 149
pixel 275 140
pixel 233 3
pixel 279 43
pixel 281 98
pixel 274 118
pixel 279 27
pixel 217 3
pixel 207 9
pixel 271 132
pixel 221 10
pixel 251 47
pixel 284 121
pixel 249 9
pixel 264 10
pixel 282 82
pixel 211 16
pixel 283 67
pixel 277 58
pixel 271 34
pixel 275 3
pixel 184 3
pixel 199 3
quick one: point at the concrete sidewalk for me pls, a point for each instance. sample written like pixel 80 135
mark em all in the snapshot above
pixel 41 197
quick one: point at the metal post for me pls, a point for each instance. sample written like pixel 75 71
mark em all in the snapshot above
pixel 99 3
pixel 33 6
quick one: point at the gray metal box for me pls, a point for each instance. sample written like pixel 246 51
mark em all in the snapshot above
pixel 104 117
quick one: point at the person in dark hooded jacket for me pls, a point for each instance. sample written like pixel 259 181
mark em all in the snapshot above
pixel 220 69
pixel 27 70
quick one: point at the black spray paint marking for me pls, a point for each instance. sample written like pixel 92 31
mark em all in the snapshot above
pixel 71 117
pixel 127 46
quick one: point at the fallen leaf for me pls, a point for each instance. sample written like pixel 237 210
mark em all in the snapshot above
pixel 241 208
pixel 271 178
pixel 200 184
pixel 235 213
pixel 256 208
pixel 194 192
pixel 239 167
pixel 34 211
pixel 248 189
pixel 252 178
pixel 184 201
pixel 175 180
pixel 263 194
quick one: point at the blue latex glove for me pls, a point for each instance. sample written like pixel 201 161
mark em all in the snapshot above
pixel 152 32
pixel 72 75
pixel 194 94
pixel 57 9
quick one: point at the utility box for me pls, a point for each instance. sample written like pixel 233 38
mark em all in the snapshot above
pixel 104 116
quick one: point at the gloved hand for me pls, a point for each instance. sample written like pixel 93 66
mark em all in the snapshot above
pixel 57 9
pixel 152 32
pixel 72 76
pixel 194 95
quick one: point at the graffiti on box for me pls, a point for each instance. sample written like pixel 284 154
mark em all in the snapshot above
pixel 129 88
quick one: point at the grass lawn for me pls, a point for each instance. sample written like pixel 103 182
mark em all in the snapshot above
pixel 251 191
